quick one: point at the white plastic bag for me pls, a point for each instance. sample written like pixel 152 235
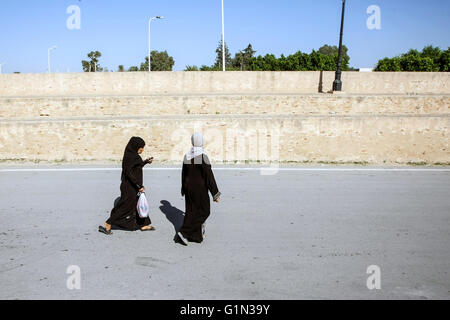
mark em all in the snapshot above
pixel 142 206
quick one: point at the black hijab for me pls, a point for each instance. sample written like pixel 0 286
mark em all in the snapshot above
pixel 131 156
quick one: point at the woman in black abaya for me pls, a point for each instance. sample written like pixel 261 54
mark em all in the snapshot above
pixel 197 180
pixel 124 214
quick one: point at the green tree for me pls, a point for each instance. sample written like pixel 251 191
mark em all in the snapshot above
pixel 431 52
pixel 430 59
pixel 323 62
pixel 389 64
pixel 161 61
pixel 121 68
pixel 191 68
pixel 92 65
pixel 238 60
pixel 324 59
pixel 333 51
pixel 208 68
pixel 417 63
pixel 241 60
pixel 133 69
pixel 219 60
pixel 302 61
pixel 444 61
pixel 267 63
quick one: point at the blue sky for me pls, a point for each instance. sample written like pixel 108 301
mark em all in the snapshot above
pixel 192 30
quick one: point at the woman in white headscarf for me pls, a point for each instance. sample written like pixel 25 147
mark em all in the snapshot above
pixel 197 179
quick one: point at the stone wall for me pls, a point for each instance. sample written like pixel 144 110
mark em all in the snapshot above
pixel 381 119
pixel 293 104
pixel 186 83
pixel 362 139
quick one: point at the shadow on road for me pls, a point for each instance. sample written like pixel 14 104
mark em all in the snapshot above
pixel 173 214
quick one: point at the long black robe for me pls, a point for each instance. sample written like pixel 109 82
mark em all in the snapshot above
pixel 124 214
pixel 197 179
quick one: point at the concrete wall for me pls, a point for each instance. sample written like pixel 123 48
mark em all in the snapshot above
pixel 144 83
pixel 375 140
pixel 295 104
pixel 381 119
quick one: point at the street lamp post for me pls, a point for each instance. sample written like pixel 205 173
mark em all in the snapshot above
pixel 50 49
pixel 1 65
pixel 337 84
pixel 223 38
pixel 149 48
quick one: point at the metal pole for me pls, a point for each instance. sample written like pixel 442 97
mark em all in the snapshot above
pixel 149 43
pixel 223 38
pixel 48 56
pixel 149 48
pixel 337 84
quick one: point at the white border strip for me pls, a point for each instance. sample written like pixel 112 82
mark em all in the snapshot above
pixel 235 169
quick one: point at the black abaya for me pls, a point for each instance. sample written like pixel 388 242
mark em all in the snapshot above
pixel 124 214
pixel 197 180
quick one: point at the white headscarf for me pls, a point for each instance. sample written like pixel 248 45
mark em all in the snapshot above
pixel 197 146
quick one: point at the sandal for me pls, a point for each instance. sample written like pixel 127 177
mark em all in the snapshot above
pixel 150 229
pixel 104 230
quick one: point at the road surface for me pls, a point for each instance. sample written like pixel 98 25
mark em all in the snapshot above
pixel 303 233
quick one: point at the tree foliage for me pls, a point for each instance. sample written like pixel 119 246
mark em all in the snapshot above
pixel 160 61
pixel 241 60
pixel 92 65
pixel 219 57
pixel 191 68
pixel 324 59
pixel 429 59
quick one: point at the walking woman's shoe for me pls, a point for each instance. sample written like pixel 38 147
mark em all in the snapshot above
pixel 104 230
pixel 181 239
pixel 150 228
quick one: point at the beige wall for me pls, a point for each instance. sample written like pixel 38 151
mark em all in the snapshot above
pixel 129 106
pixel 381 119
pixel 144 83
pixel 375 140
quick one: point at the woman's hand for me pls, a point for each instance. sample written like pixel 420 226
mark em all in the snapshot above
pixel 142 189
pixel 150 160
pixel 217 200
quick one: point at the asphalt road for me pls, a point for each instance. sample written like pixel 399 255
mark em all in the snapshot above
pixel 298 234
